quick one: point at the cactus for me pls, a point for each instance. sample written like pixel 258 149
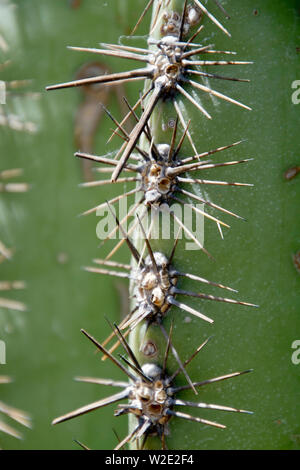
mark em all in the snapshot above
pixel 165 114
pixel 233 260
pixel 248 259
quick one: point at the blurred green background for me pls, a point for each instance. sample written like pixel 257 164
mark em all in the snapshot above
pixel 45 348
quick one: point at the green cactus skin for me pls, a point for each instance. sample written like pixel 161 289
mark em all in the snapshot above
pixel 255 257
pixel 249 257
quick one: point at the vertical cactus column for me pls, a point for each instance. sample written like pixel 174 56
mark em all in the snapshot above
pixel 249 249
pixel 238 260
